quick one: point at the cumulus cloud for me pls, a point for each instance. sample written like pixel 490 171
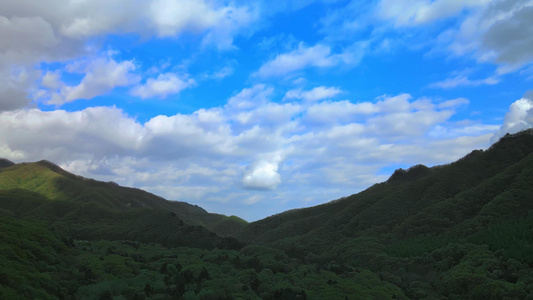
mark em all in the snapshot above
pixel 64 31
pixel 263 174
pixel 519 117
pixel 223 154
pixel 164 85
pixel 101 76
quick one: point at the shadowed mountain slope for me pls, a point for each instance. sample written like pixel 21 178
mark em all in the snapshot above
pixel 478 191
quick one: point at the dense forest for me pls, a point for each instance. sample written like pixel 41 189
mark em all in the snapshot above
pixel 457 231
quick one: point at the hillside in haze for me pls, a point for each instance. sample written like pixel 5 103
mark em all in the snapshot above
pixel 458 231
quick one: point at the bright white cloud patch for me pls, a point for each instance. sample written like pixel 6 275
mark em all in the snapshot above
pixel 163 86
pixel 519 117
pixel 174 17
pixel 263 174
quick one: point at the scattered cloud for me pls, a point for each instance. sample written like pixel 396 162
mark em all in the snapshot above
pixel 101 76
pixel 56 32
pixel 164 85
pixel 462 80
pixel 251 143
pixel 220 23
pixel 493 31
pixel 316 94
pixel 510 37
pixel 263 174
pixel 418 12
pixel 498 32
pixel 318 56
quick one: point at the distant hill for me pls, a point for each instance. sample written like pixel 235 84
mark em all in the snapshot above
pixel 43 190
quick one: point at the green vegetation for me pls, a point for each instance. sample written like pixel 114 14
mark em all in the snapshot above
pixel 460 231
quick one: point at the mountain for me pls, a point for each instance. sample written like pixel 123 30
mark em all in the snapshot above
pixel 81 208
pixel 57 187
pixel 481 190
pixel 5 163
pixel 457 231
pixel 426 225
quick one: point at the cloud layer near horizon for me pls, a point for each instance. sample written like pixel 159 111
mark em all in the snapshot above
pixel 252 143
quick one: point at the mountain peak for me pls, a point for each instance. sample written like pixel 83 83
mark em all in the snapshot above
pixel 4 163
pixel 413 173
pixel 50 165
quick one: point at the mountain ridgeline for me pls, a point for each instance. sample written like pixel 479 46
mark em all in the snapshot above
pixel 457 231
pixel 72 203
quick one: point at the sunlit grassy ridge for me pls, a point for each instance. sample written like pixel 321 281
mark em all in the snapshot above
pixel 68 191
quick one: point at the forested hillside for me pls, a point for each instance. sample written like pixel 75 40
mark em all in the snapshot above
pixel 462 230
pixel 458 231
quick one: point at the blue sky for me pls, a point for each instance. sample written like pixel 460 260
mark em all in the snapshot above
pixel 252 108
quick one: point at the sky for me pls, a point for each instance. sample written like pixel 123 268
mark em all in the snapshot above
pixel 251 108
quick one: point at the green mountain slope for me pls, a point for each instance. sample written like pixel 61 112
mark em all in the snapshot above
pixel 60 188
pixel 476 192
pixel 459 231
pixel 461 223
pixel 66 237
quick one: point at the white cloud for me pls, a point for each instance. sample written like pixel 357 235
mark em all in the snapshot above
pixel 164 85
pixel 263 174
pixel 59 31
pixel 173 17
pixel 316 152
pixel 101 76
pixel 318 56
pixel 499 32
pixel 519 117
pixel 303 57
pixel 417 12
pixel 453 103
pixel 462 80
pixel 493 31
pixel 316 94
pixel 250 97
